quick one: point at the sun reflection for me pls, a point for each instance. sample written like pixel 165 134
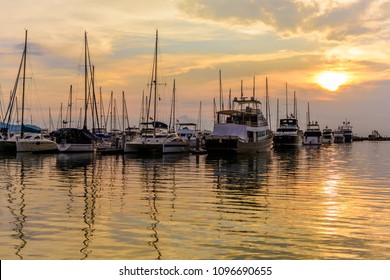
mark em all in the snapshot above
pixel 332 80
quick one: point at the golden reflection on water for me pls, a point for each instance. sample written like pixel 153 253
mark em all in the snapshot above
pixel 298 204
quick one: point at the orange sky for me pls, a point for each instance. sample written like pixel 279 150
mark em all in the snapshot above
pixel 286 41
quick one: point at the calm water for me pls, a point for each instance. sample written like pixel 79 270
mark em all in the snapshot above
pixel 312 203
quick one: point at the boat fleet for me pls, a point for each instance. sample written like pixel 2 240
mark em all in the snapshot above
pixel 242 128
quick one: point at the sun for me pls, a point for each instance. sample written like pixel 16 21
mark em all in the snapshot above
pixel 331 80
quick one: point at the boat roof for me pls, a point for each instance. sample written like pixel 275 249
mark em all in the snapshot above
pixel 246 100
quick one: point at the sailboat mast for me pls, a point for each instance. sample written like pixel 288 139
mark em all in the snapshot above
pixel 155 86
pixel 173 108
pixel 286 102
pixel 70 105
pixel 24 84
pixel 200 116
pixel 220 90
pixel 267 108
pixel 123 110
pixel 85 80
pixel 277 113
pixel 254 87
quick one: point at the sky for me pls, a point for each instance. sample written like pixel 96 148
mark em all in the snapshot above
pixel 287 42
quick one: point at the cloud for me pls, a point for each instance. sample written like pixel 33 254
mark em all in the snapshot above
pixel 333 20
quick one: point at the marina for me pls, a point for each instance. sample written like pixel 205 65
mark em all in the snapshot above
pixel 118 142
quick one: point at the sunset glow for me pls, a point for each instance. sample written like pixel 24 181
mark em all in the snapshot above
pixel 332 80
pixel 315 48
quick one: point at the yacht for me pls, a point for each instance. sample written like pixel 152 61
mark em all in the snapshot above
pixel 327 136
pixel 242 129
pixel 313 134
pixel 346 129
pixel 338 136
pixel 288 133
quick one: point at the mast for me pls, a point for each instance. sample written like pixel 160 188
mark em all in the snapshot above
pixel 242 90
pixel 123 109
pixel 286 103
pixel 220 90
pixel 230 99
pixel 155 86
pixel 200 116
pixel 215 111
pixel 70 105
pixel 85 81
pixel 172 118
pixel 267 108
pixel 277 113
pixel 111 109
pixel 254 87
pixel 24 84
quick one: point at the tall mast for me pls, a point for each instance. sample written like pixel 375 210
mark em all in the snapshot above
pixel 267 107
pixel 242 90
pixel 200 116
pixel 254 87
pixel 85 80
pixel 277 113
pixel 101 109
pixel 230 99
pixel 220 90
pixel 24 83
pixel 70 105
pixel 173 108
pixel 155 86
pixel 286 102
pixel 111 109
pixel 123 110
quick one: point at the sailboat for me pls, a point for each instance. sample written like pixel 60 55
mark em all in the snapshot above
pixel 155 137
pixel 74 140
pixel 27 140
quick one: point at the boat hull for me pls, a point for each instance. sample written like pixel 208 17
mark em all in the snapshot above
pixel 43 145
pixel 75 148
pixel 287 141
pixel 235 145
pixel 347 138
pixel 176 147
pixel 143 148
pixel 7 146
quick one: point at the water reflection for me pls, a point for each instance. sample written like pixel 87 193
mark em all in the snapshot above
pixel 327 203
pixel 158 183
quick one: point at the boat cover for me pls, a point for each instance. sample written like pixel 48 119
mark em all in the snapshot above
pixel 230 130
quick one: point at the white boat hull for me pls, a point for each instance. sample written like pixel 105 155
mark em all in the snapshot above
pixel 235 145
pixel 75 148
pixel 44 145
